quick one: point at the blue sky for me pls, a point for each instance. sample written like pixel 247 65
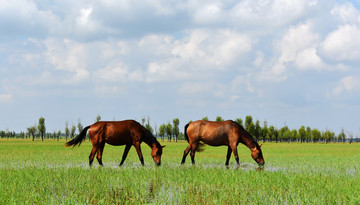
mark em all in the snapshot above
pixel 287 62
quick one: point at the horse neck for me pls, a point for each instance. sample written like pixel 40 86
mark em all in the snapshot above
pixel 247 139
pixel 149 139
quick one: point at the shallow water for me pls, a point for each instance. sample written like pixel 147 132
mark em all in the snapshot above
pixel 243 167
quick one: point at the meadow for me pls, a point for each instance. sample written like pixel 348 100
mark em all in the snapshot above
pixel 47 173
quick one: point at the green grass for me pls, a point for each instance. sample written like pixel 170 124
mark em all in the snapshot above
pixel 47 173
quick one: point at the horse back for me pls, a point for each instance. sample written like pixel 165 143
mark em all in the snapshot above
pixel 213 133
pixel 116 132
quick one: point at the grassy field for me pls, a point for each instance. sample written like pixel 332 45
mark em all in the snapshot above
pixel 47 173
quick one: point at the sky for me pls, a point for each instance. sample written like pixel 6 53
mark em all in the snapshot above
pixel 287 62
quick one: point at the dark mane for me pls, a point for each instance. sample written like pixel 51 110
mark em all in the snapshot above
pixel 149 138
pixel 251 139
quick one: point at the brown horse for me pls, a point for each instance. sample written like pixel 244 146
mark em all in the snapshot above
pixel 227 133
pixel 128 133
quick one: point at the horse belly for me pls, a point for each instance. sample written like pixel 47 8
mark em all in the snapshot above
pixel 117 137
pixel 214 141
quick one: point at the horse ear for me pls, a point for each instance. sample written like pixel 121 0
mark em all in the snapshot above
pixel 163 146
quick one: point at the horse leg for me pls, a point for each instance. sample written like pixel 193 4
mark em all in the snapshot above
pixel 126 151
pixel 228 156
pixel 138 150
pixel 234 149
pixel 92 155
pixel 193 150
pixel 99 153
pixel 186 152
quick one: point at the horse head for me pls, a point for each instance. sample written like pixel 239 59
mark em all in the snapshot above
pixel 156 152
pixel 256 154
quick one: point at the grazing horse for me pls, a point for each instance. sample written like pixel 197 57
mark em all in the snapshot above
pixel 228 133
pixel 128 133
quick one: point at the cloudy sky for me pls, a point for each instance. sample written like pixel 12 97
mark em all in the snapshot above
pixel 288 62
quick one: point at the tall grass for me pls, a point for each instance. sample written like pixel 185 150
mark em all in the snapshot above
pixel 48 173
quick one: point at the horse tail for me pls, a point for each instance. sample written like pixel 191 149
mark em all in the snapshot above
pixel 200 147
pixel 186 136
pixel 78 139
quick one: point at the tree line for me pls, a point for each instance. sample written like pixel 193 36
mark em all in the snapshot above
pixel 170 131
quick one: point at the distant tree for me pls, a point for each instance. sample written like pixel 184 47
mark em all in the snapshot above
pixel 315 133
pixel 265 132
pixel 351 137
pixel 250 126
pixel 332 136
pixel 176 131
pixel 7 133
pixel 271 133
pixel 162 131
pixel 32 130
pixel 342 135
pixel 98 118
pixel 67 130
pixel 22 135
pixel 308 134
pixel 276 134
pixel 294 135
pixel 80 126
pixel 286 136
pixel 2 134
pixel 143 120
pixel 58 135
pixel 239 121
pixel 148 126
pixel 327 135
pixel 284 133
pixel 156 130
pixel 219 119
pixel 302 134
pixel 42 128
pixel 257 131
pixel 72 131
pixel 252 130
pixel 169 131
pixel 205 118
pixel 248 122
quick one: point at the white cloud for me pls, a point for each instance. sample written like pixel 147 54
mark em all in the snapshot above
pixel 209 13
pixel 117 74
pixel 201 89
pixel 201 51
pixel 308 59
pixel 297 47
pixel 270 14
pixel 112 73
pixel 6 98
pixel 157 44
pixel 342 44
pixel 69 56
pixel 239 82
pixel 347 84
pixel 85 21
pixel 195 88
pixel 109 90
pixel 25 18
pixel 347 13
pixel 296 39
